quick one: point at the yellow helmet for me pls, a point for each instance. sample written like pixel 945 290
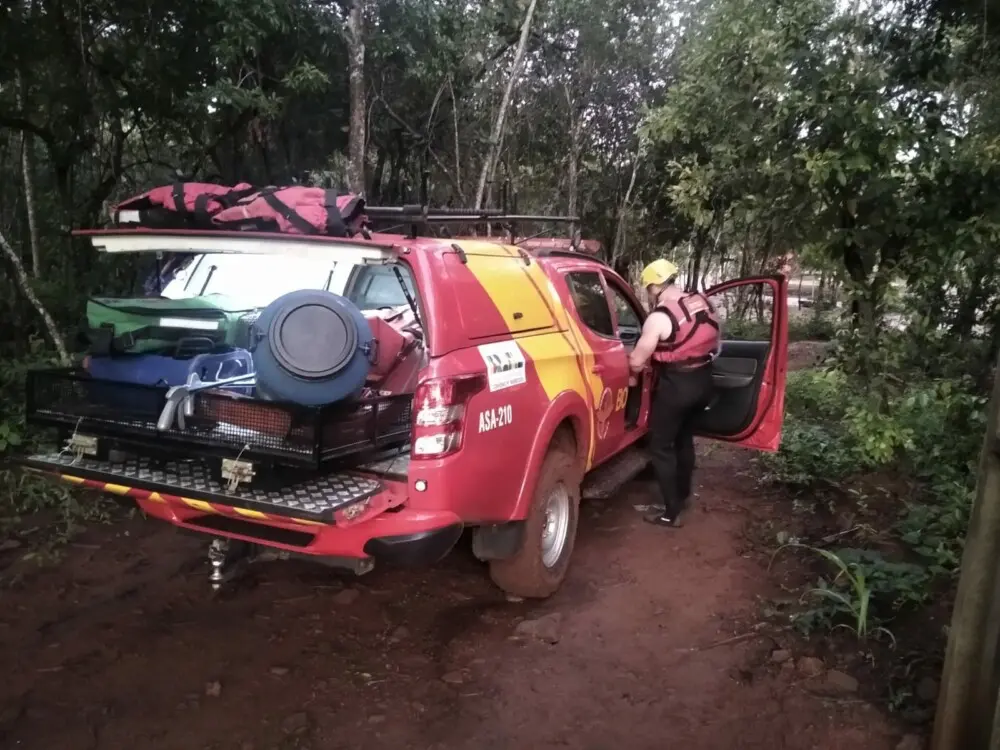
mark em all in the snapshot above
pixel 658 272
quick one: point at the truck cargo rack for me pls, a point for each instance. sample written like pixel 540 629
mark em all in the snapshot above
pixel 222 424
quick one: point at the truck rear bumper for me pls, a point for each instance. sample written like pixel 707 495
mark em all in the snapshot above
pixel 418 548
pixel 368 521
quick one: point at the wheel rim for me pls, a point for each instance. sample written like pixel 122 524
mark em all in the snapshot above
pixel 555 530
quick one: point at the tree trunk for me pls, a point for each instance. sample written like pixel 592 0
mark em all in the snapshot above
pixel 967 314
pixel 393 189
pixel 376 188
pixel 706 275
pixel 24 284
pixel 694 272
pixel 458 151
pixel 356 66
pixel 28 172
pixel 619 247
pixel 967 702
pixel 495 136
pixel 28 178
pixel 573 172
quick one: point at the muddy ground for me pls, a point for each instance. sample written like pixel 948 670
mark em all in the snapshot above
pixel 654 642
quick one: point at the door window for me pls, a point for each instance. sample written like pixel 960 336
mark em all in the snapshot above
pixel 749 373
pixel 591 304
pixel 629 321
pixel 375 287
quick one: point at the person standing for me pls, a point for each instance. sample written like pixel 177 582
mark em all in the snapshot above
pixel 681 336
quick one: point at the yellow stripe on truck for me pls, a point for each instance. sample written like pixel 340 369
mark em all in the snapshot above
pixel 555 363
pixel 579 371
pixel 564 361
pixel 506 286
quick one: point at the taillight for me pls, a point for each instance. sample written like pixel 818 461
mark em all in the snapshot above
pixel 439 420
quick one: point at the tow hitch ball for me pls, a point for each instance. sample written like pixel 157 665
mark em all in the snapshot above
pixel 231 557
pixel 223 554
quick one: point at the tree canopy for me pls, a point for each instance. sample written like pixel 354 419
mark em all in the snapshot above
pixel 860 138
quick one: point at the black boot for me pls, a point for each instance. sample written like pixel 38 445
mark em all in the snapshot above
pixel 671 521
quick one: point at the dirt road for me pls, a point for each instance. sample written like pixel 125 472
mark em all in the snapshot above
pixel 122 646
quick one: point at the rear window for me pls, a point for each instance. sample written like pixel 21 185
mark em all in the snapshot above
pixel 253 280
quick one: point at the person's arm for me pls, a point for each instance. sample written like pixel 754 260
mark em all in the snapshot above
pixel 656 327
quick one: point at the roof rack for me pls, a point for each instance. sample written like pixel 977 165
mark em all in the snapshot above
pixel 421 215
pixel 417 217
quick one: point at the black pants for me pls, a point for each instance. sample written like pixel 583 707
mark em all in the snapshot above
pixel 681 395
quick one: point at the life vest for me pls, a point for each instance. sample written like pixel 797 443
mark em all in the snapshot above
pixel 695 335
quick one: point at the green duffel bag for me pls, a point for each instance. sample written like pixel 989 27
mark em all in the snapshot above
pixel 147 325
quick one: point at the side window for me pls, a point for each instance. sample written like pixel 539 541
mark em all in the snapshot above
pixel 629 322
pixel 590 301
pixel 377 286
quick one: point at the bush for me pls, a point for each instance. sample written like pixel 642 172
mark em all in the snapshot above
pixel 816 395
pixel 931 429
pixel 810 454
pixel 746 330
pixel 22 493
pixel 839 427
pixel 816 447
pixel 13 373
pixel 863 594
pixel 814 327
pixel 896 410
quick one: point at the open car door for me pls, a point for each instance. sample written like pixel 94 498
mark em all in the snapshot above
pixel 748 406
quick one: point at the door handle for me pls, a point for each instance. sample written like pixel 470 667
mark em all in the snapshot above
pixel 598 369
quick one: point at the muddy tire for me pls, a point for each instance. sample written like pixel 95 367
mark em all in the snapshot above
pixel 538 568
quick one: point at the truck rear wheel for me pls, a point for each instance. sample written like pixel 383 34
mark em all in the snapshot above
pixel 538 568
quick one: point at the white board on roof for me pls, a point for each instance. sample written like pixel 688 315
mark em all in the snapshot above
pixel 307 247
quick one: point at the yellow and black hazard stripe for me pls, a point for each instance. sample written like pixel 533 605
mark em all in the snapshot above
pixel 199 505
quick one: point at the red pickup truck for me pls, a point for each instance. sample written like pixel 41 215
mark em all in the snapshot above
pixel 520 407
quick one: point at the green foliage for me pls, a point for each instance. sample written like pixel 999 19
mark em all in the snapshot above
pixel 835 427
pixel 815 446
pixel 948 420
pixel 841 429
pixel 814 327
pixel 810 454
pixel 816 394
pixel 864 594
pixel 23 494
pixel 876 436
pixel 747 329
pixel 861 142
pixel 866 140
pixel 935 528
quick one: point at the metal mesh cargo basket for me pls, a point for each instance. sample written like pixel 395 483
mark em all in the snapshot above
pixel 223 424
